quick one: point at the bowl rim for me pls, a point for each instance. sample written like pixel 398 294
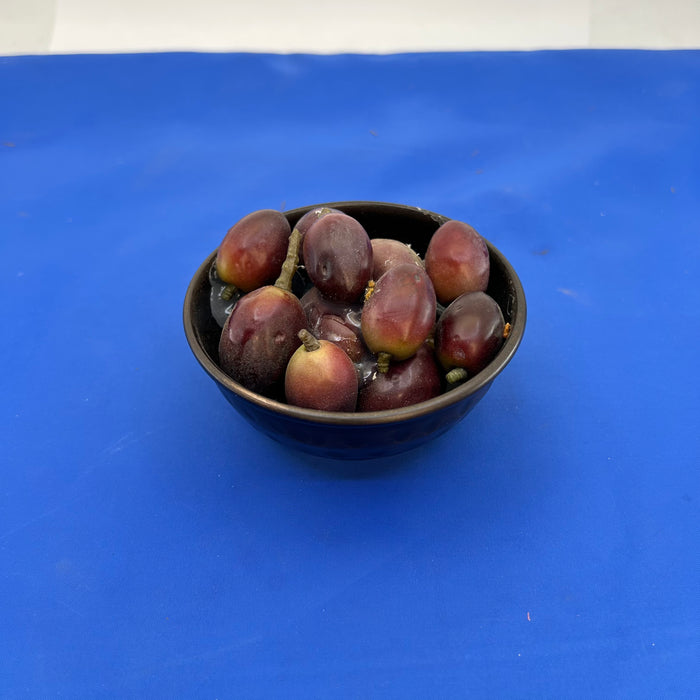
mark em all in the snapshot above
pixel 397 415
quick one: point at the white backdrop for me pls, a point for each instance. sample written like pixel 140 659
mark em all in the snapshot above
pixel 328 26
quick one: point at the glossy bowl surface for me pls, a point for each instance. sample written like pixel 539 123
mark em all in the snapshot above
pixel 372 434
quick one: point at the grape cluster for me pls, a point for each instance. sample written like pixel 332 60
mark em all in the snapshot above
pixel 321 316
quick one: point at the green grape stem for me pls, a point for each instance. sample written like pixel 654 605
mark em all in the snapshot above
pixel 289 266
pixel 383 360
pixel 458 374
pixel 228 291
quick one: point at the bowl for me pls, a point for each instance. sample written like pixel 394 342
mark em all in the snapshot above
pixel 360 435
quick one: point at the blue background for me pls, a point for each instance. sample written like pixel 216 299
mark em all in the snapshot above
pixel 152 544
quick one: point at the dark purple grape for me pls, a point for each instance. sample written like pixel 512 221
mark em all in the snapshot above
pixel 336 322
pixel 259 337
pixel 338 331
pixel 469 333
pixel 304 224
pixel 338 257
pixel 316 306
pixel 405 383
pixel 457 261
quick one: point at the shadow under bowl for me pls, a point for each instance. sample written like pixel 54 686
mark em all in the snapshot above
pixel 372 434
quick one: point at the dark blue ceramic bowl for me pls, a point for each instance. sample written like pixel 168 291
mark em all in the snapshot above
pixel 360 435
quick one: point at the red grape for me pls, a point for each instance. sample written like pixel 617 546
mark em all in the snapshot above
pixel 400 313
pixel 252 252
pixel 469 333
pixel 457 261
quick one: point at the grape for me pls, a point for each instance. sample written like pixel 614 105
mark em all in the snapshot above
pixel 338 257
pixel 261 332
pixel 337 331
pixel 316 306
pixel 399 314
pixel 311 216
pixel 260 336
pixel 335 321
pixel 457 261
pixel 320 375
pixel 252 252
pixel 387 252
pixel 405 383
pixel 469 334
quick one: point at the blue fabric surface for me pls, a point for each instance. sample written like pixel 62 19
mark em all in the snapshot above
pixel 152 544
